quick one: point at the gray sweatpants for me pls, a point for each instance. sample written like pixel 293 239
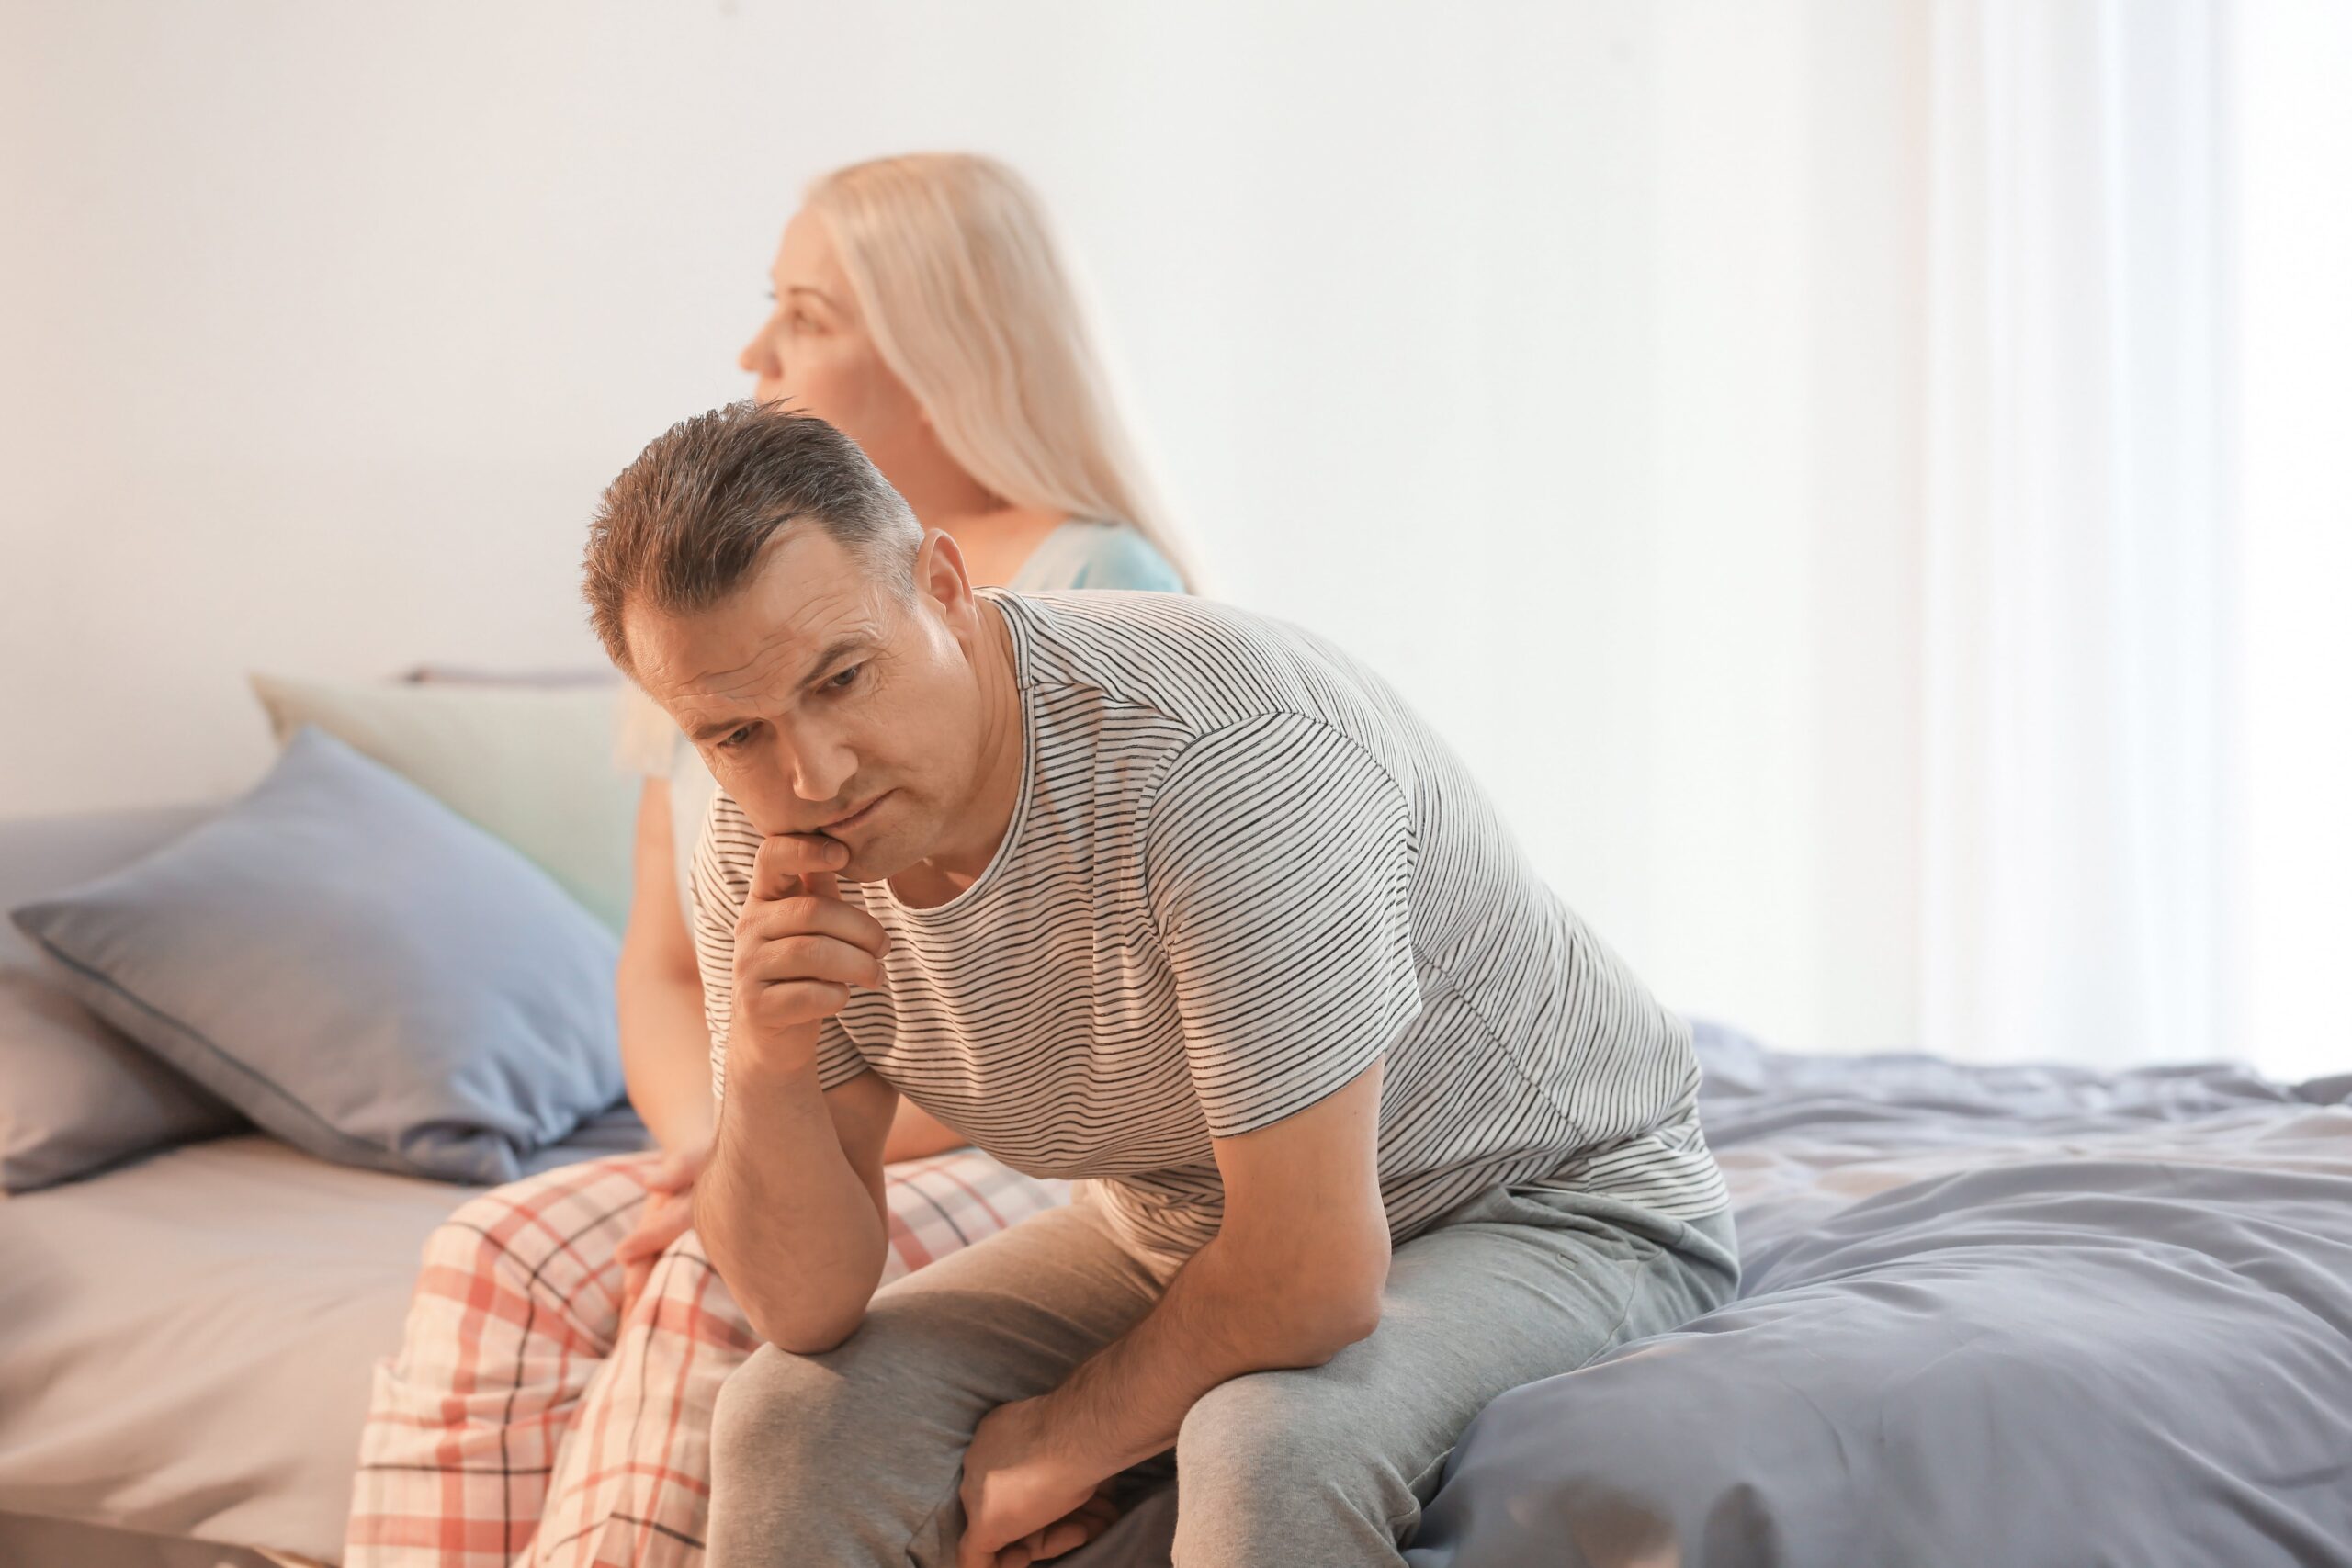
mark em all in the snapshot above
pixel 855 1455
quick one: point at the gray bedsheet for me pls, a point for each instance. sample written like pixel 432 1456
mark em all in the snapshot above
pixel 2017 1316
pixel 186 1342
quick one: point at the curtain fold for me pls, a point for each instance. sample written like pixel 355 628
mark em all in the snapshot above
pixel 2077 580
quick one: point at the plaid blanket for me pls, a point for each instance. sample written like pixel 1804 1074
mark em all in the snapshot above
pixel 523 1422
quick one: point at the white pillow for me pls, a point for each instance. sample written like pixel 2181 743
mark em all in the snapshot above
pixel 531 766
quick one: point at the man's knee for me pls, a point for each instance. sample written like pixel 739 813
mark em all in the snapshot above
pixel 1250 1436
pixel 778 1404
pixel 752 1415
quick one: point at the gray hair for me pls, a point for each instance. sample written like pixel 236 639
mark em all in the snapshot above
pixel 685 526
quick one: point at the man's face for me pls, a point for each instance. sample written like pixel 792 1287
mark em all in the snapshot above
pixel 823 702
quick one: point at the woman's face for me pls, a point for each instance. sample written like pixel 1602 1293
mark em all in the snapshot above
pixel 813 350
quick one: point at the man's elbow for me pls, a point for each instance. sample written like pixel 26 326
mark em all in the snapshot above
pixel 1317 1339
pixel 798 1312
pixel 812 1336
pixel 789 1309
pixel 1340 1308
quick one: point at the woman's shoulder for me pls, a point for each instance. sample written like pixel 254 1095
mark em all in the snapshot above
pixel 1093 552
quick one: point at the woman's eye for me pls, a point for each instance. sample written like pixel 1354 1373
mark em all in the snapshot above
pixel 800 322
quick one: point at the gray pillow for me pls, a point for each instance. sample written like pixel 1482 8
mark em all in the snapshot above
pixel 77 1097
pixel 80 1097
pixel 356 968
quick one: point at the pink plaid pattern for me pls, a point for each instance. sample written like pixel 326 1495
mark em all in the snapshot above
pixel 524 1423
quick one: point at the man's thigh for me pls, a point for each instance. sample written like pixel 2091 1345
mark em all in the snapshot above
pixel 1005 1318
pixel 869 1437
pixel 1519 1284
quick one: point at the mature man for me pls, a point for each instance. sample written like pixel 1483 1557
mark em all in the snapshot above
pixel 1166 895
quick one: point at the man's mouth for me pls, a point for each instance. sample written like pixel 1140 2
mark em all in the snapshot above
pixel 857 817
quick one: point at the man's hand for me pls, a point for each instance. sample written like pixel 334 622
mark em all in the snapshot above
pixel 792 1210
pixel 1022 1502
pixel 798 948
pixel 1294 1276
pixel 668 1214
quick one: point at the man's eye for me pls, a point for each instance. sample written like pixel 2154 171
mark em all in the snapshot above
pixel 846 678
pixel 734 738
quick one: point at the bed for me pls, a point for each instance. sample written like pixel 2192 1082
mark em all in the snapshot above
pixel 1992 1315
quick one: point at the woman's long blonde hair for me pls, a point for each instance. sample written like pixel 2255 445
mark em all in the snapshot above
pixel 967 297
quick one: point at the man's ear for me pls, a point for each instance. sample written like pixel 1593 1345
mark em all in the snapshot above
pixel 941 575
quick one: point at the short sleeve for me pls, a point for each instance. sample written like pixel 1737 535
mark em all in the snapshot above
pixel 647 742
pixel 1279 861
pixel 1118 557
pixel 645 738
pixel 722 881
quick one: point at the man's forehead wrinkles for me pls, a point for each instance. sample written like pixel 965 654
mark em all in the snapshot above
pixel 781 650
pixel 771 649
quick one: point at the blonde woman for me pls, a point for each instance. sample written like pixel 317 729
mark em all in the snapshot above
pixel 551 1400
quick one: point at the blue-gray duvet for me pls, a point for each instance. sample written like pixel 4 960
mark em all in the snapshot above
pixel 1991 1316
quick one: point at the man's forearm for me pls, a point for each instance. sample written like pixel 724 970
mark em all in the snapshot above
pixel 1222 1316
pixel 783 1214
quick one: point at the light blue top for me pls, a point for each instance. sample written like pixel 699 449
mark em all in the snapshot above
pixel 1081 554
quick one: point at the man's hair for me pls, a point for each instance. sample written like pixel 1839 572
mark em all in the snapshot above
pixel 686 524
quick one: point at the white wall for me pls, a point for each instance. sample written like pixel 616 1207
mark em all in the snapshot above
pixel 1560 359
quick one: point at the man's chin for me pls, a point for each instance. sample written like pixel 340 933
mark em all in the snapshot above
pixel 878 860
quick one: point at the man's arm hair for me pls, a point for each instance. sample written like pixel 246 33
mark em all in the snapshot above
pixel 1294 1277
pixel 791 1209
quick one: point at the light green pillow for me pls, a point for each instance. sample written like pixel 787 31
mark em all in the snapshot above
pixel 532 766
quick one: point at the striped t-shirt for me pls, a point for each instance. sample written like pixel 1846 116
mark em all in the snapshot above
pixel 1239 869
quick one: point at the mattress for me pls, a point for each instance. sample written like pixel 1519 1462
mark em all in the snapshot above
pixel 185 1343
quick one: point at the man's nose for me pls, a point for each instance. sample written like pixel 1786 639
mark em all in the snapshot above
pixel 819 773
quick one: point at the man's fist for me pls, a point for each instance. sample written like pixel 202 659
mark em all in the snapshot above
pixel 798 948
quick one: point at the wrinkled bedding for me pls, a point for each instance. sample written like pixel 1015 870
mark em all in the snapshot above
pixel 1992 1315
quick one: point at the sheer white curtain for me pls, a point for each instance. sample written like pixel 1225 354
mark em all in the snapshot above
pixel 2078 575
pixel 2293 729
